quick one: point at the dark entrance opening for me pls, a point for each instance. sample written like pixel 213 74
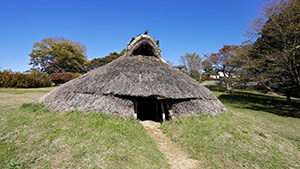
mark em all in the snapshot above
pixel 144 49
pixel 149 108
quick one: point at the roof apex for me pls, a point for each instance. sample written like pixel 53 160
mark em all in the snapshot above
pixel 140 41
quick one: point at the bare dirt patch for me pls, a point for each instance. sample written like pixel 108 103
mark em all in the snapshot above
pixel 177 158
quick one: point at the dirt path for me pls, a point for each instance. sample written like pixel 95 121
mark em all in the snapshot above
pixel 177 158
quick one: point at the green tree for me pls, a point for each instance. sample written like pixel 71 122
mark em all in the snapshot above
pixel 98 62
pixel 54 55
pixel 192 62
pixel 207 68
pixel 195 75
pixel 275 58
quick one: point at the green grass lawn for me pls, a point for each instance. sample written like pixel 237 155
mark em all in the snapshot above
pixel 33 137
pixel 259 131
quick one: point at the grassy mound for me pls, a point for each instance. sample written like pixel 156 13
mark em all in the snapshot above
pixel 33 137
pixel 255 133
pixel 260 131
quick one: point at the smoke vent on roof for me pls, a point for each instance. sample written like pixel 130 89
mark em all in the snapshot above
pixel 143 45
pixel 144 49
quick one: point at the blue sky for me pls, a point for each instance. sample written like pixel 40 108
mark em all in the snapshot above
pixel 201 26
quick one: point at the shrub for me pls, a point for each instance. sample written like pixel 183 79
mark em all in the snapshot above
pixel 75 75
pixel 9 78
pixel 40 79
pixel 5 78
pixel 209 79
pixel 59 78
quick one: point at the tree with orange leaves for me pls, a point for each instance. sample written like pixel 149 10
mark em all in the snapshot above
pixel 227 61
pixel 193 64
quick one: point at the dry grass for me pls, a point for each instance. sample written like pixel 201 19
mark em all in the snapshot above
pixel 12 98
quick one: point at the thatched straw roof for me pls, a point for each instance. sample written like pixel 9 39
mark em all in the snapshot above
pixel 140 72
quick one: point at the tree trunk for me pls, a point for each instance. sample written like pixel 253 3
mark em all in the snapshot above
pixel 200 76
pixel 228 82
pixel 229 88
pixel 288 97
pixel 293 69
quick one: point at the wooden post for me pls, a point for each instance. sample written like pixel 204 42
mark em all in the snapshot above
pixel 135 109
pixel 163 110
pixel 156 110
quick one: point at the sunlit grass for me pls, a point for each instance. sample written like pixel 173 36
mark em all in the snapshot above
pixel 33 137
pixel 257 132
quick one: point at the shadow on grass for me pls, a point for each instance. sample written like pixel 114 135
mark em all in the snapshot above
pixel 271 104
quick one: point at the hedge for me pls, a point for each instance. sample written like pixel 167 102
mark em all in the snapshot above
pixel 59 78
pixel 9 78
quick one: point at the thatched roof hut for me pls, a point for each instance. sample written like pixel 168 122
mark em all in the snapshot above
pixel 139 83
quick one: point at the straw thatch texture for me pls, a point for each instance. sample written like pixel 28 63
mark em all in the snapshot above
pixel 68 101
pixel 197 106
pixel 141 76
pixel 114 87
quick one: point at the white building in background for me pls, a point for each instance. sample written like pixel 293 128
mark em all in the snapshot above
pixel 218 75
pixel 221 75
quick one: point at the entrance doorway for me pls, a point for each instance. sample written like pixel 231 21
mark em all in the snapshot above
pixel 149 108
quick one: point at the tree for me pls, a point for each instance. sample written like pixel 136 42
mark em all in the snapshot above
pixel 275 58
pixel 195 75
pixel 243 76
pixel 193 64
pixel 54 55
pixel 207 67
pixel 227 61
pixel 35 78
pixel 97 62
